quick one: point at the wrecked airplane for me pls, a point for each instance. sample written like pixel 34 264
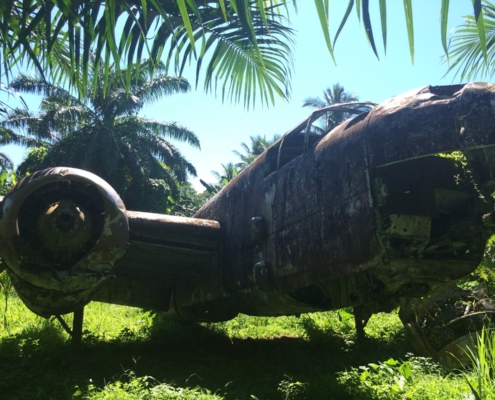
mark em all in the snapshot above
pixel 393 204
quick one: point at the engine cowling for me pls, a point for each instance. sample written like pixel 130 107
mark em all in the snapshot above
pixel 61 232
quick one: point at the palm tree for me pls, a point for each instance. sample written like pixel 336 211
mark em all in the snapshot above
pixel 466 54
pixel 5 162
pixel 248 41
pixel 257 146
pixel 232 42
pixel 229 172
pixel 332 96
pixel 8 136
pixel 104 134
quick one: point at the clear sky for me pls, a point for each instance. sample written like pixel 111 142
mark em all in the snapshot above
pixel 221 127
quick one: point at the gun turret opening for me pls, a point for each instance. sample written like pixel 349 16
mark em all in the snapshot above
pixel 61 232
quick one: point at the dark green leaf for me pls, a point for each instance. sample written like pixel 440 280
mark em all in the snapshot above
pixel 444 18
pixel 410 26
pixel 344 20
pixel 368 27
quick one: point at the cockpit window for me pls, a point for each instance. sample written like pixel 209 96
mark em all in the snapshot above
pixel 306 135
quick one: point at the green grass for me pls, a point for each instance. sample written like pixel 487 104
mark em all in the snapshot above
pixel 482 380
pixel 131 354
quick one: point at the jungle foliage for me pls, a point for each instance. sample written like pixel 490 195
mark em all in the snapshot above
pixel 103 134
pixel 242 47
pixel 130 354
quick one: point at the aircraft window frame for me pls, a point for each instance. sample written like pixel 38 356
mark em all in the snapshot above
pixel 310 134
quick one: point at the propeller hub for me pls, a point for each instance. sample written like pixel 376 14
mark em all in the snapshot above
pixel 64 226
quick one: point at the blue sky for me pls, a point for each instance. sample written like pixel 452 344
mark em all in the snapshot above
pixel 222 126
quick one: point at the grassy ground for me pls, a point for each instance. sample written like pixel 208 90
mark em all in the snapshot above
pixel 131 354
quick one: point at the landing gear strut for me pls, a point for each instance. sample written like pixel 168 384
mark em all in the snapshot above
pixel 77 326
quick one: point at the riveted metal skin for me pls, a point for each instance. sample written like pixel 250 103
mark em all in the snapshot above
pixel 369 213
pixel 390 205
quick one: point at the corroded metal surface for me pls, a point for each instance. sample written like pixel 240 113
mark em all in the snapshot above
pixel 368 214
pixel 164 251
pixel 61 232
pixel 431 120
pixel 378 210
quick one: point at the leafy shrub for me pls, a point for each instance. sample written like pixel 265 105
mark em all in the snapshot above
pixel 131 387
pixel 291 389
pixel 416 378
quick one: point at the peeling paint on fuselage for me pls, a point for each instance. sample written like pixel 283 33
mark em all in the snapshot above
pixel 329 208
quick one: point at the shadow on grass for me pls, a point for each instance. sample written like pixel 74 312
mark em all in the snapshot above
pixel 42 364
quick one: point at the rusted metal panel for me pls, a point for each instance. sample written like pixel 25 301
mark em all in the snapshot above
pixel 319 216
pixel 163 251
pixel 363 216
pixel 325 216
pixel 51 274
pixel 159 228
pixel 431 120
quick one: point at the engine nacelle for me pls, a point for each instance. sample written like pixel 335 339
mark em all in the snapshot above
pixel 61 232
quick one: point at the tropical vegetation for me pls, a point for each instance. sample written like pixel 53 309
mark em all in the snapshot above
pixel 104 134
pixel 332 96
pixel 189 201
pixel 248 154
pixel 467 56
pixel 130 354
pixel 8 179
pixel 239 45
pixel 252 150
pixel 244 46
pixel 229 172
pixel 5 162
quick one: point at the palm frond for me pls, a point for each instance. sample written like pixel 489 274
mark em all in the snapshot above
pixel 6 162
pixel 59 37
pixel 229 172
pixel 336 96
pixel 466 55
pixel 257 146
pixel 160 86
pixel 165 129
pixel 169 155
pixel 313 102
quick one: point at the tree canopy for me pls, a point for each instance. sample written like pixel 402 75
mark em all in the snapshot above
pixel 333 96
pixel 243 47
pixel 104 134
pixel 252 150
pixel 467 55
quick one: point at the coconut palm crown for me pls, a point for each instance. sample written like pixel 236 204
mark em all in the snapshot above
pixel 104 134
pixel 467 56
pixel 229 172
pixel 252 150
pixel 334 95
